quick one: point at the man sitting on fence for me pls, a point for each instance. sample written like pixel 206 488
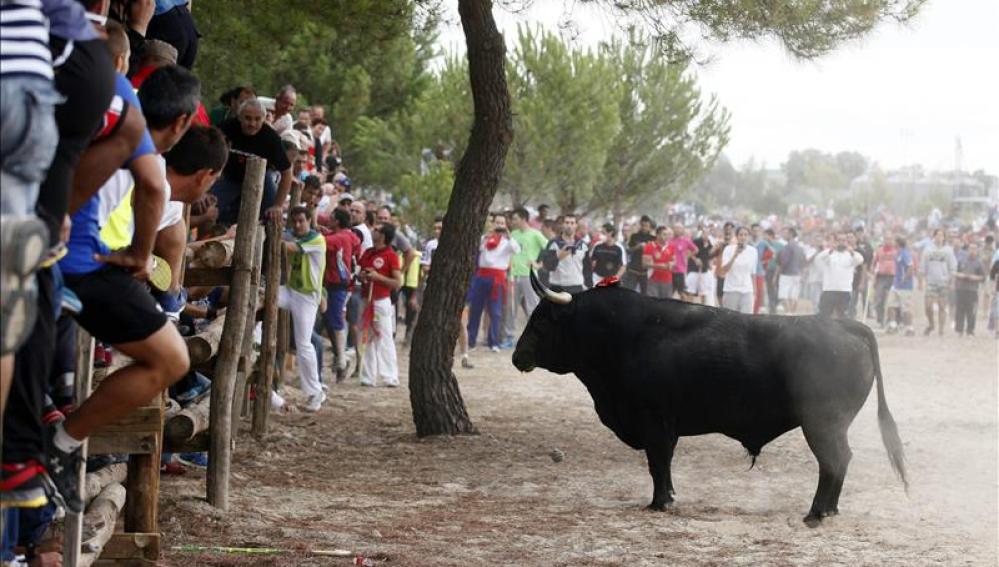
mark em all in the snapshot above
pixel 307 259
pixel 116 307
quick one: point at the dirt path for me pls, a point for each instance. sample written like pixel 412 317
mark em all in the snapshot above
pixel 355 477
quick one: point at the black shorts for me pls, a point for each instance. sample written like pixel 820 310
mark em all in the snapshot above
pixel 116 308
pixel 680 283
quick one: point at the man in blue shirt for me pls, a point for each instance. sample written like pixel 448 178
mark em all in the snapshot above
pixel 117 309
pixel 900 296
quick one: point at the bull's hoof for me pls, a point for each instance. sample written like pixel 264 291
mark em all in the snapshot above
pixel 660 506
pixel 812 520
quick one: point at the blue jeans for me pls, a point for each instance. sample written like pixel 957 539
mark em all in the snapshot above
pixel 480 298
pixel 28 139
pixel 229 194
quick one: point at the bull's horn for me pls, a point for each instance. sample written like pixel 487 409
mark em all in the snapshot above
pixel 558 297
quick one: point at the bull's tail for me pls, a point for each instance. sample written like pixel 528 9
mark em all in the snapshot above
pixel 886 423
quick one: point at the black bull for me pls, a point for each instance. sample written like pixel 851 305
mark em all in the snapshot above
pixel 661 369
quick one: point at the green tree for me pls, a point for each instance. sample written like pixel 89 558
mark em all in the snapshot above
pixel 362 57
pixel 424 196
pixel 668 137
pixel 388 148
pixel 565 116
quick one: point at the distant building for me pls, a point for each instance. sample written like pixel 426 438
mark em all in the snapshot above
pixel 908 189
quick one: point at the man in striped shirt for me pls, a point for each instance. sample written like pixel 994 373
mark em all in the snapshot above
pixel 29 138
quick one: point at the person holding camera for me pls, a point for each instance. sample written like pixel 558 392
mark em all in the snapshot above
pixel 738 268
pixel 564 257
pixel 489 286
pixel 838 263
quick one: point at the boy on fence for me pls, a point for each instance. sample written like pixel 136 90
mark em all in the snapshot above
pixel 307 259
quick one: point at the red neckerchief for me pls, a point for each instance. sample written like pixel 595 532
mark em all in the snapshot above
pixel 609 281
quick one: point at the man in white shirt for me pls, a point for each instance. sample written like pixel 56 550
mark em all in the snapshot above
pixel 489 286
pixel 568 275
pixel 838 265
pixel 738 266
pixel 284 103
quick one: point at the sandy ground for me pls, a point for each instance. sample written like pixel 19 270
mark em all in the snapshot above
pixel 355 477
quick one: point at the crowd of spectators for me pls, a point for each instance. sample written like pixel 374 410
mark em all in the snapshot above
pixel 798 264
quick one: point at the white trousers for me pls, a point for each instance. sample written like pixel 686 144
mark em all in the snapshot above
pixel 379 353
pixel 303 310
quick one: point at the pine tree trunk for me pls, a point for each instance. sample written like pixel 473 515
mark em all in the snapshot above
pixel 438 408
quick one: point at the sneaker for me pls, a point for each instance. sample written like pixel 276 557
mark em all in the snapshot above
pixel 494 348
pixel 71 303
pixel 315 402
pixel 367 384
pixel 24 245
pixel 391 384
pixel 927 331
pixel 465 363
pixel 202 387
pixel 63 469
pixel 910 332
pixel 24 485
pixel 277 402
pixel 341 375
pixel 507 345
pixel 172 304
pixel 197 460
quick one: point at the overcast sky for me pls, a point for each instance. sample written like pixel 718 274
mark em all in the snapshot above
pixel 902 95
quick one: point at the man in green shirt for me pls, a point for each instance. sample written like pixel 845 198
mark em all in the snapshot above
pixel 532 242
pixel 307 262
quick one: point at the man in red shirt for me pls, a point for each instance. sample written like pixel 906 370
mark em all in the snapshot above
pixel 884 274
pixel 342 250
pixel 381 273
pixel 658 257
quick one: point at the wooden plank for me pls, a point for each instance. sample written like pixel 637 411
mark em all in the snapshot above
pixel 130 442
pixel 224 383
pixel 73 530
pixel 214 253
pixel 143 485
pixel 97 480
pixel 197 444
pixel 204 345
pixel 133 546
pixel 207 277
pixel 247 355
pixel 99 522
pixel 272 280
pixel 147 419
pixel 189 422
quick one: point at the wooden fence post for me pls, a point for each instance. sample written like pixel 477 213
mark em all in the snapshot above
pixel 230 347
pixel 246 356
pixel 73 533
pixel 272 279
pixel 284 317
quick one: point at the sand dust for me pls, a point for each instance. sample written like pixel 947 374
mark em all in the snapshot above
pixel 355 477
